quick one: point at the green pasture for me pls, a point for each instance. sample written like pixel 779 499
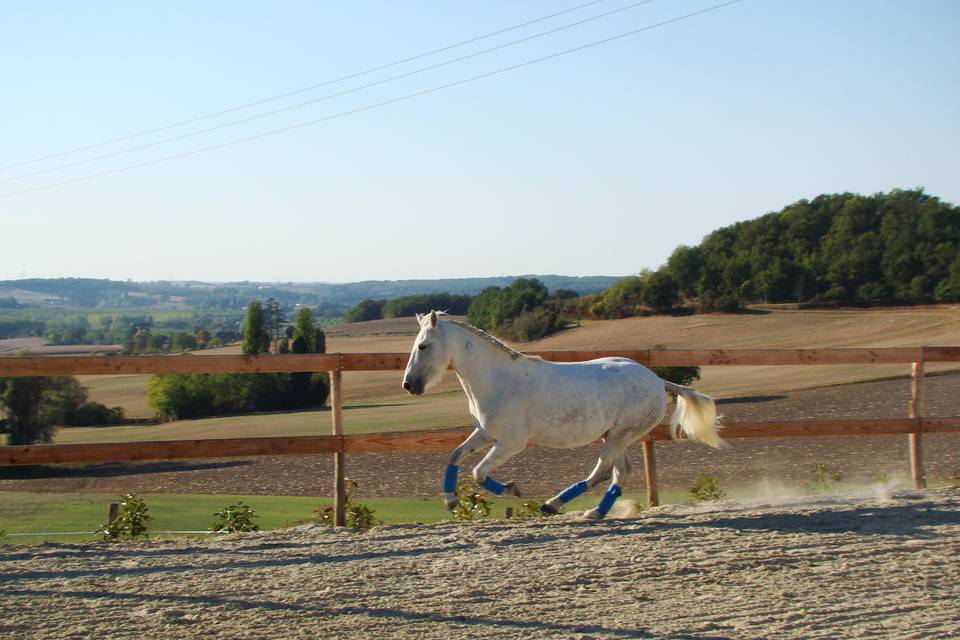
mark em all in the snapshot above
pixel 23 511
pixel 46 513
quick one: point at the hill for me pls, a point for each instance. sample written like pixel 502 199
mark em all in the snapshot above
pixel 330 299
pixel 898 247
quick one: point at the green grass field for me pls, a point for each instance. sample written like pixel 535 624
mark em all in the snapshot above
pixel 47 513
pixel 26 512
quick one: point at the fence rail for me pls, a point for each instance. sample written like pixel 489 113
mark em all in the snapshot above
pixel 126 365
pixel 339 444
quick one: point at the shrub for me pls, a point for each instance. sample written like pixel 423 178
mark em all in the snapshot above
pixel 235 518
pixel 92 414
pixel 131 520
pixel 824 479
pixel 531 509
pixel 531 325
pixel 707 489
pixel 472 504
pixel 357 516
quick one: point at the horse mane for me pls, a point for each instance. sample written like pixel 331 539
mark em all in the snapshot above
pixel 496 342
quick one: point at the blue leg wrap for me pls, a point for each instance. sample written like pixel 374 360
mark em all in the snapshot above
pixel 609 497
pixel 492 485
pixel 450 478
pixel 572 491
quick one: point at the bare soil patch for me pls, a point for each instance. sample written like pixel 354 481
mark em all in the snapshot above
pixel 839 567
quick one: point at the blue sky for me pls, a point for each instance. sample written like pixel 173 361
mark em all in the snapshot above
pixel 597 162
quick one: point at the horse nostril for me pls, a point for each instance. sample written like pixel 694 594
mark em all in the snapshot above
pixel 406 386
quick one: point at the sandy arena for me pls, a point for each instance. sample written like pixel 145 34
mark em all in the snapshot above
pixel 838 567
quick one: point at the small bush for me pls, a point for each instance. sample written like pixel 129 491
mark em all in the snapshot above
pixel 531 509
pixel 235 518
pixel 357 516
pixel 824 479
pixel 707 489
pixel 472 504
pixel 131 520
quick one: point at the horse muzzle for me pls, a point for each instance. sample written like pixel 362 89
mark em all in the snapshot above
pixel 414 388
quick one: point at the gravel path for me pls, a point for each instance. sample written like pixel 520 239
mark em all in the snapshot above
pixel 542 472
pixel 838 567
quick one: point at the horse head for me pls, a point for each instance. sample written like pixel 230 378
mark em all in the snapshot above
pixel 429 357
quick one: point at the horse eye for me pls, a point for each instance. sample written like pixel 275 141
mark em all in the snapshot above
pixel 422 346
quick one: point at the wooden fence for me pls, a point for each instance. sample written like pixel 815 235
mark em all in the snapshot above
pixel 339 444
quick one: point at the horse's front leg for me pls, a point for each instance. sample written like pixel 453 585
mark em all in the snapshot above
pixel 500 453
pixel 474 441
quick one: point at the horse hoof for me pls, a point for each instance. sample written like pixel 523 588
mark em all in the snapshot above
pixel 451 502
pixel 548 509
pixel 593 514
pixel 511 489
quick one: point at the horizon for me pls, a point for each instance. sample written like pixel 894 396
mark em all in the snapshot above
pixel 188 281
pixel 600 161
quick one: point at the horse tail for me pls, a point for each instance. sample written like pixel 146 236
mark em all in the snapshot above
pixel 695 416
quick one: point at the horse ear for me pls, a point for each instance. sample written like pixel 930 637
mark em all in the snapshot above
pixel 433 318
pixel 419 318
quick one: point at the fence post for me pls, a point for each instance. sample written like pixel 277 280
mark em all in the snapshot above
pixel 650 471
pixel 915 439
pixel 336 411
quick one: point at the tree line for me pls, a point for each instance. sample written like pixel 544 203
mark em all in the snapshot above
pixel 405 306
pixel 265 330
pixel 898 247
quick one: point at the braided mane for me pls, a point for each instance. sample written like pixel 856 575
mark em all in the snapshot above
pixel 496 342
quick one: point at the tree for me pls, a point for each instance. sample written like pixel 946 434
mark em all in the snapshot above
pixel 368 309
pixel 684 265
pixel 273 318
pixel 308 389
pixel 34 406
pixel 203 338
pixel 621 299
pixel 315 338
pixel 659 291
pixel 255 337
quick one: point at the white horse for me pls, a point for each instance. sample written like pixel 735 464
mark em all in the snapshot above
pixel 518 400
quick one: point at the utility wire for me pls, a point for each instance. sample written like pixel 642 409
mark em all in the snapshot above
pixel 328 96
pixel 298 91
pixel 384 103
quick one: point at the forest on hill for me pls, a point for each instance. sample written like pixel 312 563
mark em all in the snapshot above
pixel 896 247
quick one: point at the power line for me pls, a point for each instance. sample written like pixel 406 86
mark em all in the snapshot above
pixel 328 96
pixel 304 89
pixel 384 103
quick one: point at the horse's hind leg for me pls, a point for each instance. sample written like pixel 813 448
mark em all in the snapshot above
pixel 620 471
pixel 500 453
pixel 601 472
pixel 613 462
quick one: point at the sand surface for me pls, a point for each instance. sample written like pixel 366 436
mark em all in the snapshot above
pixel 833 567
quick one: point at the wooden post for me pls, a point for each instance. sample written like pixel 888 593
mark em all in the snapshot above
pixel 114 512
pixel 336 410
pixel 915 439
pixel 508 512
pixel 650 470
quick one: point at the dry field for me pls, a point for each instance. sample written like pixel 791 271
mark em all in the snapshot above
pixel 862 566
pixel 775 329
